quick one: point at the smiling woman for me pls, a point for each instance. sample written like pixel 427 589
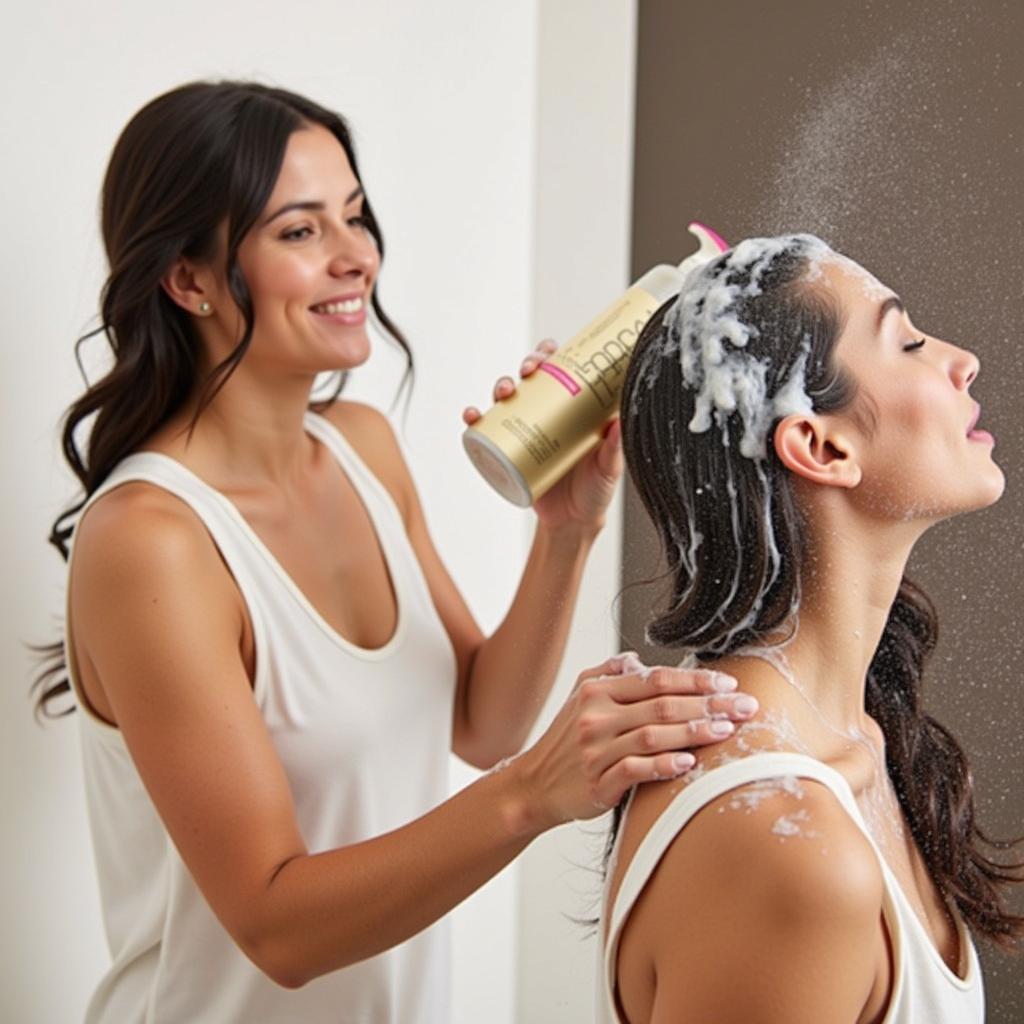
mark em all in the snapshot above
pixel 283 258
pixel 269 660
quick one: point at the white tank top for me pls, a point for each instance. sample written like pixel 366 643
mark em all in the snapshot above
pixel 925 990
pixel 364 737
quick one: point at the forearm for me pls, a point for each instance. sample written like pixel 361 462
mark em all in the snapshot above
pixel 299 916
pixel 325 911
pixel 514 669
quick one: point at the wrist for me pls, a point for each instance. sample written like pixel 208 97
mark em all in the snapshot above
pixel 571 536
pixel 523 814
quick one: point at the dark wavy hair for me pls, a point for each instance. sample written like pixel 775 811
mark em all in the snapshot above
pixel 200 156
pixel 735 583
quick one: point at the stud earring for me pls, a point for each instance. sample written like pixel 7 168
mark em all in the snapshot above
pixel 205 308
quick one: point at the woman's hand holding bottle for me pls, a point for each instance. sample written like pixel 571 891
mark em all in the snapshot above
pixel 582 496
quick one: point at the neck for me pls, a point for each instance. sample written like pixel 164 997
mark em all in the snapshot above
pixel 251 432
pixel 851 578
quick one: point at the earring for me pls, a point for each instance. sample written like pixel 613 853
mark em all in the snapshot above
pixel 205 308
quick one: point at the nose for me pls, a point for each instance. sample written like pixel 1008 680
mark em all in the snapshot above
pixel 354 254
pixel 963 368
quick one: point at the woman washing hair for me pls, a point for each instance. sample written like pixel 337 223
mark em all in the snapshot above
pixel 270 662
pixel 792 434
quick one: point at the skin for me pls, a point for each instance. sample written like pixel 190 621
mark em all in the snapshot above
pixel 802 937
pixel 146 574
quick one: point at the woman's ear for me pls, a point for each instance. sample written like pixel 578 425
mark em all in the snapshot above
pixel 816 450
pixel 189 287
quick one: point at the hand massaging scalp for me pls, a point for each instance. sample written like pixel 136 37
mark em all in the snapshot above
pixel 525 444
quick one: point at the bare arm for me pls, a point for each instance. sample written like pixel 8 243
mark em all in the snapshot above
pixel 157 619
pixel 516 666
pixel 743 925
pixel 504 679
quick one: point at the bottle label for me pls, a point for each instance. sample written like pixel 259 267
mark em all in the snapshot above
pixel 596 360
pixel 557 416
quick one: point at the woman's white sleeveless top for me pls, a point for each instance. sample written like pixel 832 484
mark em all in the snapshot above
pixel 364 737
pixel 925 990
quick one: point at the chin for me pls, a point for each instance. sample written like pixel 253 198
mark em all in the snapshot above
pixel 346 355
pixel 997 486
pixel 987 493
pixel 987 489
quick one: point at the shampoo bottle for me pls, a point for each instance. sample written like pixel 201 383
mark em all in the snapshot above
pixel 525 444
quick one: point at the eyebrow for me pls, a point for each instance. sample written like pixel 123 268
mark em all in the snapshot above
pixel 316 205
pixel 891 303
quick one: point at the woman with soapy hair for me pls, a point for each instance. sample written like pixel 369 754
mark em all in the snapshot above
pixel 269 662
pixel 792 433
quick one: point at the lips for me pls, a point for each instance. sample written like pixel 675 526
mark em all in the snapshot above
pixel 348 305
pixel 341 311
pixel 973 434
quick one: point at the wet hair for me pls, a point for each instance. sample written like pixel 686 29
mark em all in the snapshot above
pixel 735 582
pixel 198 157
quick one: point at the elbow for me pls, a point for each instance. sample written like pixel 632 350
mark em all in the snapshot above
pixel 486 748
pixel 287 980
pixel 499 757
pixel 275 934
pixel 476 760
pixel 276 959
pixel 485 755
pixel 287 974
pixel 281 943
pixel 290 981
pixel 275 948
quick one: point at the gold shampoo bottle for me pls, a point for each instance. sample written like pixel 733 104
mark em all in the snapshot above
pixel 525 444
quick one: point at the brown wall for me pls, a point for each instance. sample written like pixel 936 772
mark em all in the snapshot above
pixel 894 130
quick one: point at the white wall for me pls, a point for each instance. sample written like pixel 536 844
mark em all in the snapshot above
pixel 581 263
pixel 491 137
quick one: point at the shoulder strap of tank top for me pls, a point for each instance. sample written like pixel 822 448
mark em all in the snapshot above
pixel 344 452
pixel 166 472
pixel 757 768
pixel 237 542
pixel 169 474
pixel 149 467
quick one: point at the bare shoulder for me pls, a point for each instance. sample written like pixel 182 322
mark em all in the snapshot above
pixel 787 840
pixel 809 853
pixel 363 425
pixel 141 528
pixel 346 413
pixel 774 874
pixel 772 730
pixel 370 432
pixel 140 547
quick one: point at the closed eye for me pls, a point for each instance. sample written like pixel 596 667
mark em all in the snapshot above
pixel 914 346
